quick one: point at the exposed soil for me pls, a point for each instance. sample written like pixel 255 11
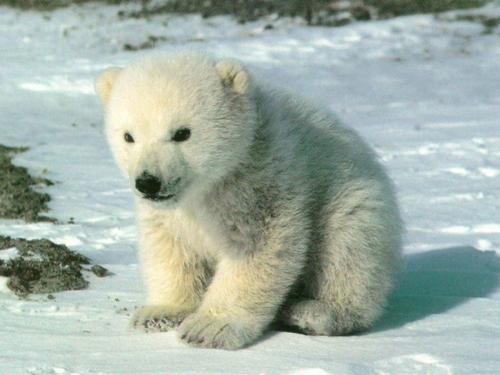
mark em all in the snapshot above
pixel 393 8
pixel 42 266
pixel 315 12
pixel 18 197
pixel 149 43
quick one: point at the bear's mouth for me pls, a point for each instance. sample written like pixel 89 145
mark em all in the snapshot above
pixel 158 198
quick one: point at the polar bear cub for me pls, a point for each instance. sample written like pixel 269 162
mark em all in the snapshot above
pixel 253 206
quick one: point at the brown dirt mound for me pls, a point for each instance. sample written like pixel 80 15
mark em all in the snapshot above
pixel 18 198
pixel 316 12
pixel 41 266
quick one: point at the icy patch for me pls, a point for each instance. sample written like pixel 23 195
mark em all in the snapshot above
pixel 484 245
pixel 451 125
pixel 489 172
pixel 458 171
pixel 457 229
pixel 427 150
pixel 60 84
pixel 413 364
pixel 68 240
pixel 467 197
pixel 54 370
pixel 310 371
pixel 478 229
pixel 3 285
pixel 8 254
pixel 487 228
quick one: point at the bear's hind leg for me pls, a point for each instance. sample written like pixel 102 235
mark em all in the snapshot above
pixel 319 318
pixel 350 271
pixel 311 317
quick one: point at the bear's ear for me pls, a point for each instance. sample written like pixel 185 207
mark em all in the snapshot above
pixel 233 75
pixel 104 83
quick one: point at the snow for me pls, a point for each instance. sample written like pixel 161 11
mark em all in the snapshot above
pixel 424 91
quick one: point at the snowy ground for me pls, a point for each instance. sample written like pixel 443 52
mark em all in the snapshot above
pixel 424 92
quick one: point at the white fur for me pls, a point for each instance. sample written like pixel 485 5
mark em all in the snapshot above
pixel 281 214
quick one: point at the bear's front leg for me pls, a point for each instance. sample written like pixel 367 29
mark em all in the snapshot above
pixel 246 293
pixel 175 280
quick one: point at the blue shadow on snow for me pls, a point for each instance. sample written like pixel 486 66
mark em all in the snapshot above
pixel 435 281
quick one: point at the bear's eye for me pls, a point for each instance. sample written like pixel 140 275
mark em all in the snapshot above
pixel 128 138
pixel 181 135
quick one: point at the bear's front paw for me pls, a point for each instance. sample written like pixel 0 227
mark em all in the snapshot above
pixel 157 318
pixel 208 331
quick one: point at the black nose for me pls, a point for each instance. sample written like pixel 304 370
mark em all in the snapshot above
pixel 148 184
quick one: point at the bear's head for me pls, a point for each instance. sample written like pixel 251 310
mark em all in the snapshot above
pixel 177 124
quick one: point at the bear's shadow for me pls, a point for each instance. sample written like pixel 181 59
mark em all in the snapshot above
pixel 435 281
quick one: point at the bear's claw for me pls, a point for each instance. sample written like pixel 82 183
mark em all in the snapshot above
pixel 156 319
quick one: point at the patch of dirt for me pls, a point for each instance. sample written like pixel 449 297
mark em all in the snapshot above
pixel 99 271
pixel 315 12
pixel 18 198
pixel 394 8
pixel 47 5
pixel 150 42
pixel 42 266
